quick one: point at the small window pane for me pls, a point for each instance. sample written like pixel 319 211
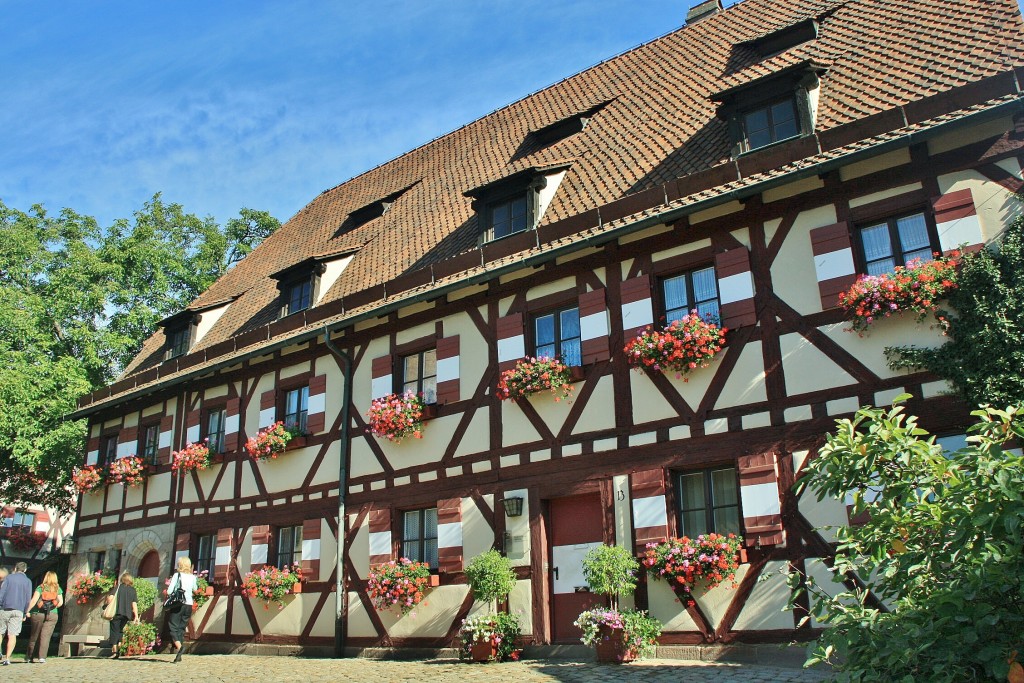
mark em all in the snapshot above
pixel 570 322
pixel 546 351
pixel 412 525
pixel 704 285
pixel 430 363
pixel 676 294
pixel 727 520
pixel 709 311
pixel 756 121
pixel 694 523
pixel 692 490
pixel 723 487
pixel 501 214
pixel 921 255
pixel 545 330
pixel 412 366
pixel 784 120
pixel 430 523
pixel 571 354
pixel 876 242
pixel 881 267
pixel 913 233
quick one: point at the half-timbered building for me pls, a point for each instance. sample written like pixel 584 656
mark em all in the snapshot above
pixel 748 165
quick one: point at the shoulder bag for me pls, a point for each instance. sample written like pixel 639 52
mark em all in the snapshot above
pixel 175 598
pixel 110 611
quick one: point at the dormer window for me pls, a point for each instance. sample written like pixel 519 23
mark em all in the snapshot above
pixel 177 342
pixel 296 296
pixel 179 333
pixel 770 109
pixel 771 122
pixel 514 204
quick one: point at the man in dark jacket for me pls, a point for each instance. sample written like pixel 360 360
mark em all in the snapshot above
pixel 15 596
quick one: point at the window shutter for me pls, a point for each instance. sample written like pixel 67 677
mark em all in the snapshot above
pixel 759 495
pixel 833 262
pixel 448 370
pixel 311 549
pixel 317 406
pixel 650 511
pixel 231 420
pixel 637 305
pixel 268 408
pixel 8 512
pixel 956 220
pixel 192 426
pixel 381 383
pixel 380 536
pixel 182 548
pixel 735 287
pixel 166 439
pixel 127 442
pixel 593 327
pixel 222 557
pixel 260 553
pixel 42 521
pixel 511 341
pixel 449 535
pixel 92 451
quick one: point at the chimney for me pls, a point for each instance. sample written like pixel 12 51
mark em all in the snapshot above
pixel 703 10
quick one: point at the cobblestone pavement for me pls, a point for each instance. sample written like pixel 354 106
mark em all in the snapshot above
pixel 215 668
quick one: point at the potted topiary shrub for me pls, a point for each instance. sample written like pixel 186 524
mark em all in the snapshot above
pixel 617 636
pixel 491 637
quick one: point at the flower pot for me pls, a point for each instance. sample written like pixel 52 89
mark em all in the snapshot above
pixel 611 647
pixel 743 556
pixel 483 651
pixel 296 588
pixel 434 581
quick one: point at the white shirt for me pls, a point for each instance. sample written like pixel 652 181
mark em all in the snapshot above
pixel 187 583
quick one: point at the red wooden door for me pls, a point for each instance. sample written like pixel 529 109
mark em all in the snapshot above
pixel 575 529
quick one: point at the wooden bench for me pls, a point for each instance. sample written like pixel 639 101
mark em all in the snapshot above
pixel 75 643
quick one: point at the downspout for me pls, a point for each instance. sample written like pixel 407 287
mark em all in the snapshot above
pixel 340 627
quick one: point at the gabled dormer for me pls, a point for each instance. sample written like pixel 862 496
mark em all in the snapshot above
pixel 182 331
pixel 302 285
pixel 515 203
pixel 777 42
pixel 565 127
pixel 772 108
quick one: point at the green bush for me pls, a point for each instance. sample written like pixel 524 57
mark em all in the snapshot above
pixel 490 576
pixel 146 592
pixel 942 546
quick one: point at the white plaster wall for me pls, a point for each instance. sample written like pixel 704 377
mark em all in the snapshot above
pixel 881 162
pixel 894 331
pixel 883 194
pixel 208 319
pixel 996 206
pixel 807 369
pixel 599 412
pixel 765 608
pixel 431 618
pixel 477 535
pixel 678 250
pixel 746 381
pixel 793 276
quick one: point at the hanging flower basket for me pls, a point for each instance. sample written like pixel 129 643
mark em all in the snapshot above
pixel 88 586
pixel 129 470
pixel 25 540
pixel 396 416
pixel 534 375
pixel 916 288
pixel 87 479
pixel 706 561
pixel 400 583
pixel 271 584
pixel 269 442
pixel 192 458
pixel 682 347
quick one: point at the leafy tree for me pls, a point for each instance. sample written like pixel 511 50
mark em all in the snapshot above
pixel 490 577
pixel 79 303
pixel 984 358
pixel 942 546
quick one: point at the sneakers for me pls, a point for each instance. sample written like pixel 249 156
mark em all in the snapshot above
pixel 6 662
pixel 41 661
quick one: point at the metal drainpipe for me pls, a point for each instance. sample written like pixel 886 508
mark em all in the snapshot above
pixel 340 626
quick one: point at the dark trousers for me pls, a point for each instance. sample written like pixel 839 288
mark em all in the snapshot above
pixel 117 625
pixel 178 621
pixel 41 631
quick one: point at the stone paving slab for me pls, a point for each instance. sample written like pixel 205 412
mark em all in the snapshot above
pixel 228 668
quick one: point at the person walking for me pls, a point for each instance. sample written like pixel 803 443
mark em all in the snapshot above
pixel 15 599
pixel 178 619
pixel 127 610
pixel 4 572
pixel 42 616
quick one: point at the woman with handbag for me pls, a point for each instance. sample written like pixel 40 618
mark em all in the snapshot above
pixel 179 604
pixel 122 607
pixel 48 598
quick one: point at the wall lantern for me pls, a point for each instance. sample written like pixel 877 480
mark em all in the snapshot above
pixel 67 546
pixel 513 506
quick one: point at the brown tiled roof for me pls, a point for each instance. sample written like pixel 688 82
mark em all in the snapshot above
pixel 658 125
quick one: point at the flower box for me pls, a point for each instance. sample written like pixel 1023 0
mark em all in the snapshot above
pixel 705 561
pixel 192 458
pixel 611 646
pixel 399 583
pixel 396 416
pixel 296 442
pixel 271 584
pixel 129 470
pixel 683 346
pixel 535 375
pixel 483 652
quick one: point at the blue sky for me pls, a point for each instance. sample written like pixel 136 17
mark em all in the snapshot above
pixel 221 105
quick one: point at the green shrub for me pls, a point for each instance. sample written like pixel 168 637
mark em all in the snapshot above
pixel 146 592
pixel 610 570
pixel 490 576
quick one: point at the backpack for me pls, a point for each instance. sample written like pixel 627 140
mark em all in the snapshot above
pixel 47 601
